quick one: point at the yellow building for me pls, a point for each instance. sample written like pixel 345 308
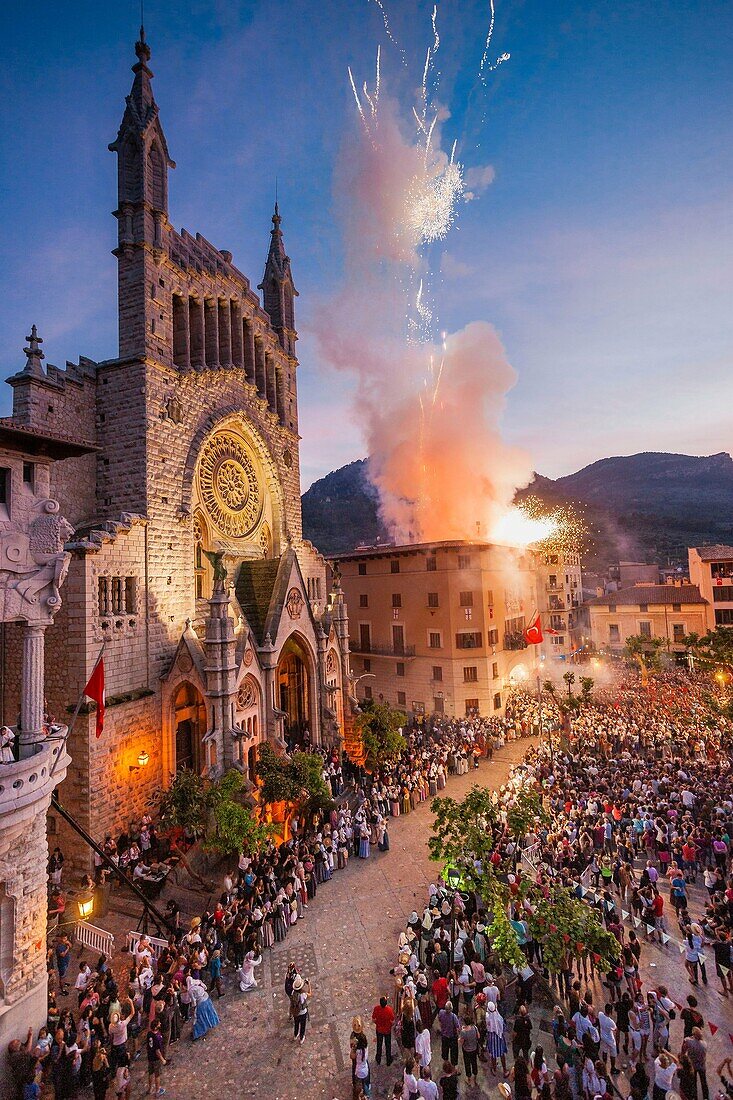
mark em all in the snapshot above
pixel 437 627
pixel 711 569
pixel 668 611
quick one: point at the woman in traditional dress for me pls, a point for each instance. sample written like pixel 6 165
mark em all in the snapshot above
pixel 364 846
pixel 205 1015
pixel 246 973
pixel 495 1041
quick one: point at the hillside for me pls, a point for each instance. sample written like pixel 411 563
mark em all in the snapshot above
pixel 649 506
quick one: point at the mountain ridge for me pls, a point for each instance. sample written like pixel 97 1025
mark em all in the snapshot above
pixel 648 506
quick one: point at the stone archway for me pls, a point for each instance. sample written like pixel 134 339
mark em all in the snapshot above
pixel 249 718
pixel 295 693
pixel 189 729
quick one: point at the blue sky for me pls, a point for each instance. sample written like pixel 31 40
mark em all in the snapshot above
pixel 602 252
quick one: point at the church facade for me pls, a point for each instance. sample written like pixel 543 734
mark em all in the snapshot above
pixel 188 568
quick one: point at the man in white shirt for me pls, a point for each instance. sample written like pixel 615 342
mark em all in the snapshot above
pixel 607 1028
pixel 426 1087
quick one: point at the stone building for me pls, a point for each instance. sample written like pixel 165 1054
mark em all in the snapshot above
pixel 559 599
pixel 437 628
pixel 711 569
pixel 668 611
pixel 192 474
pixel 33 567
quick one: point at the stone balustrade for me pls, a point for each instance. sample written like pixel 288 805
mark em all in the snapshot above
pixel 26 781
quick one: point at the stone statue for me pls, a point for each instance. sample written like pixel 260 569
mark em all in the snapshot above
pixel 216 558
pixel 336 571
pixel 34 564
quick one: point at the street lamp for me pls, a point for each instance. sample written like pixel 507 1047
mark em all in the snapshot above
pixel 452 877
pixel 85 907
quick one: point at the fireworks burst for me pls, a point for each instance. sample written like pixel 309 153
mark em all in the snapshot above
pixel 566 531
pixel 486 66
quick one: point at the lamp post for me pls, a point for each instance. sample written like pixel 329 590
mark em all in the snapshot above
pixel 452 878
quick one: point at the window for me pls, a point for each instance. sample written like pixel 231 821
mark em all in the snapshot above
pixel 438 673
pixel 433 599
pixel 400 668
pixel 396 599
pixel 676 606
pixel 368 692
pixel 438 706
pixel 365 637
pixel 130 594
pixel 471 706
pixel 724 616
pixel 104 590
pixel 497 701
pixel 5 486
pixel 364 600
pixel 367 664
pixel 678 632
pixel 117 604
pixel 28 474
pixel 558 639
pixel 470 674
pixel 552 580
pixel 362 569
pixel 468 613
pixel 723 593
pixel 434 641
pixel 401 699
pixel 643 607
pixel 394 566
pixel 466 599
pixel 431 563
pixel 395 612
pixel 398 639
pixel 494 671
pixel 418 707
pixel 645 629
pixel 464 561
pixel 613 632
pixel 490 597
pixel 493 636
pixel 468 639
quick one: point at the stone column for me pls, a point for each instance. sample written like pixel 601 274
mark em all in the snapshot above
pixel 260 369
pixel 225 333
pixel 249 350
pixel 196 332
pixel 211 333
pixel 181 340
pixel 235 325
pixel 280 393
pixel 271 383
pixel 31 687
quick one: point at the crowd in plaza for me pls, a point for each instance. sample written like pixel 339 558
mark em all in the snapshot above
pixel 639 791
pixel 640 795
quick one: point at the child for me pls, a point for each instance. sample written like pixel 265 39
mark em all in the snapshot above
pixel 122 1078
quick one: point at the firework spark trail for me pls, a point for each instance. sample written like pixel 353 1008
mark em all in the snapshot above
pixel 485 64
pixel 388 32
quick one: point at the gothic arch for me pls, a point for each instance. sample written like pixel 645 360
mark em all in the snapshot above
pixel 297 688
pixel 129 167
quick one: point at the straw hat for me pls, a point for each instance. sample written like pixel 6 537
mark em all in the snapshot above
pixel 298 983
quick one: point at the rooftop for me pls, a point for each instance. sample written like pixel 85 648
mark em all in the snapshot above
pixel 388 550
pixel 652 594
pixel 21 437
pixel 714 553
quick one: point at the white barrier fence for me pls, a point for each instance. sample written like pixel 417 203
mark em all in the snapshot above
pixel 157 944
pixel 96 939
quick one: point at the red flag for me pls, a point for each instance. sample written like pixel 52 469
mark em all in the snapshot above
pixel 554 633
pixel 532 634
pixel 95 690
pixel 713 1027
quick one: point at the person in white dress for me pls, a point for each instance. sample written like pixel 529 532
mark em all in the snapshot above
pixel 246 973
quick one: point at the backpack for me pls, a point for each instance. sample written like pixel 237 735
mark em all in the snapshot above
pixel 295 1003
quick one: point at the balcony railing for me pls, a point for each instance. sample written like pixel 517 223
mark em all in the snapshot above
pixel 24 781
pixel 514 641
pixel 382 650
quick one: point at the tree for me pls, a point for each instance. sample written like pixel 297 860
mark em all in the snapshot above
pixel 292 779
pixel 714 649
pixel 379 726
pixel 586 687
pixel 565 924
pixel 183 804
pixel 646 651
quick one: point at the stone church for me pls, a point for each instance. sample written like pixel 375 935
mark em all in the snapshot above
pixel 190 472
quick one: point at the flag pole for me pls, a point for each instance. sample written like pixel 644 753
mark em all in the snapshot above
pixel 75 715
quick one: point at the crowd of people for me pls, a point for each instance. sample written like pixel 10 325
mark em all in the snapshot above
pixel 638 786
pixel 639 790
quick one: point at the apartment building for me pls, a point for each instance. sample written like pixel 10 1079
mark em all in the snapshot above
pixel 711 569
pixel 438 627
pixel 668 611
pixel 559 597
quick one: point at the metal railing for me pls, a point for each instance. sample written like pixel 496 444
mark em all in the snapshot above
pixel 382 650
pixel 96 939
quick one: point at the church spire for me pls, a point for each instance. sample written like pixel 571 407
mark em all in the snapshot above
pixel 142 88
pixel 278 289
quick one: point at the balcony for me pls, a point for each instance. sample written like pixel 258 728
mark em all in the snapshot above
pixel 514 641
pixel 556 604
pixel 553 588
pixel 25 781
pixel 382 650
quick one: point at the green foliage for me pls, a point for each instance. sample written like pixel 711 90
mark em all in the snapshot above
pixel 501 934
pixel 293 779
pixel 526 811
pixel 562 922
pixel 586 687
pixel 714 648
pixel 646 651
pixel 235 827
pixel 183 805
pixel 379 726
pixel 464 831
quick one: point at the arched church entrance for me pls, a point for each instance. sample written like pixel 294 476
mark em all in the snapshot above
pixel 189 724
pixel 294 695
